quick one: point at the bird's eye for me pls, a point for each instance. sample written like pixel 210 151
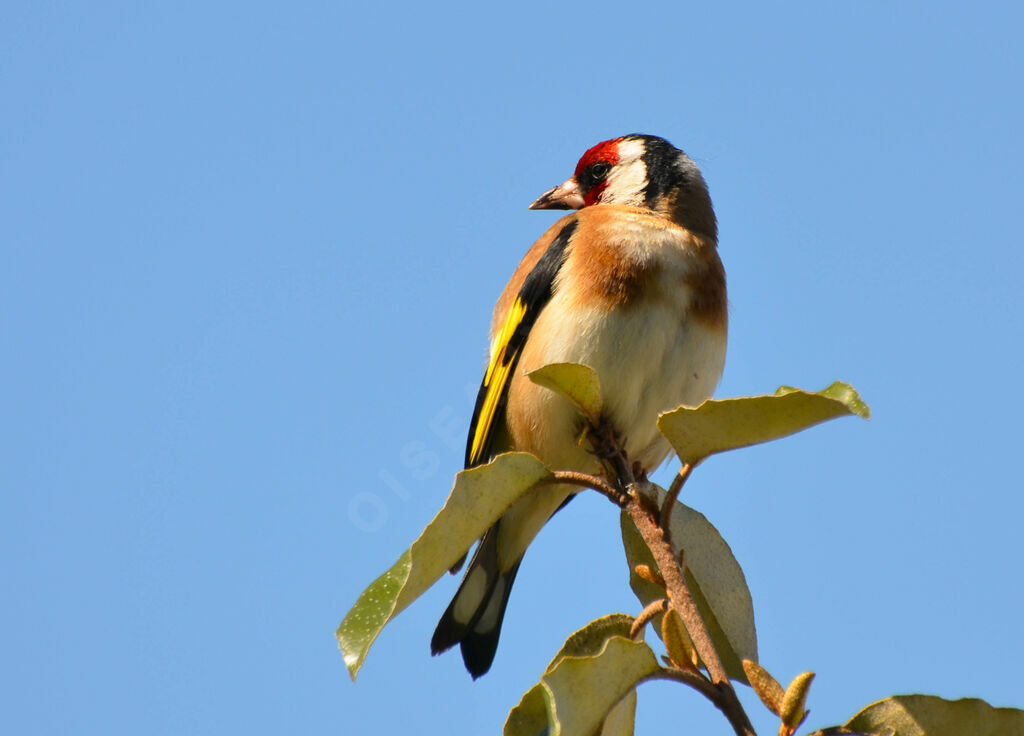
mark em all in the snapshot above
pixel 599 170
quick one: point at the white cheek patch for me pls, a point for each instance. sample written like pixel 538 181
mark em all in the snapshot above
pixel 628 178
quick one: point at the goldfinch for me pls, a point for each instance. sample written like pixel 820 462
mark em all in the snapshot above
pixel 631 285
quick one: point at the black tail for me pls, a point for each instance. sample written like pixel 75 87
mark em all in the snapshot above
pixel 473 618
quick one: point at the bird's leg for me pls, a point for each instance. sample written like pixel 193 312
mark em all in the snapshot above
pixel 607 447
pixel 603 442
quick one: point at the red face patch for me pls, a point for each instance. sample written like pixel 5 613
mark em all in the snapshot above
pixel 606 152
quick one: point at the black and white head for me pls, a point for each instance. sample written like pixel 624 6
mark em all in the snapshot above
pixel 640 171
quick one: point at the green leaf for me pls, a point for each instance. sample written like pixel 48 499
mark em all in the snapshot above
pixel 589 685
pixel 583 690
pixel 530 716
pixel 677 641
pixel 479 498
pixel 589 640
pixel 728 424
pixel 927 715
pixel 793 708
pixel 714 577
pixel 578 383
pixel 621 718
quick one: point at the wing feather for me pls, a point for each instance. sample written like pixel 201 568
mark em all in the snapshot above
pixel 507 346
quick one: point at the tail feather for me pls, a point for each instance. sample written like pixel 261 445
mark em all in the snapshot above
pixel 481 642
pixel 473 618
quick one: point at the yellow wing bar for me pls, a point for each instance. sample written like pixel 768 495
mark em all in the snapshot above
pixel 495 384
pixel 538 286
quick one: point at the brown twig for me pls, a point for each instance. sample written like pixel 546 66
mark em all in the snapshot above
pixel 723 698
pixel 679 595
pixel 649 612
pixel 585 480
pixel 622 488
pixel 673 494
pixel 647 519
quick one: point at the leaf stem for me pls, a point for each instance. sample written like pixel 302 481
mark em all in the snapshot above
pixel 649 612
pixel 673 493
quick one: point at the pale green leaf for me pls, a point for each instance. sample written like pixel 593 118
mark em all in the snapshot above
pixel 589 640
pixel 927 715
pixel 794 700
pixel 727 424
pixel 621 718
pixel 595 691
pixel 479 498
pixel 714 577
pixel 677 641
pixel 530 716
pixel 578 383
pixel 583 690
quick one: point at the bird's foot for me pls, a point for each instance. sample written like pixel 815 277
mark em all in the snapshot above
pixel 604 443
pixel 607 447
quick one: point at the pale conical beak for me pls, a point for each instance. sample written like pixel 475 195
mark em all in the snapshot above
pixel 565 196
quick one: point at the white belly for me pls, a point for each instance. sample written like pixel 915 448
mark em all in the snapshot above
pixel 646 366
pixel 648 359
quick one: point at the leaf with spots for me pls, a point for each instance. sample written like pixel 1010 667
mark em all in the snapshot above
pixel 479 497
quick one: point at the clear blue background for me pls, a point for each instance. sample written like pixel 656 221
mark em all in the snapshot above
pixel 249 255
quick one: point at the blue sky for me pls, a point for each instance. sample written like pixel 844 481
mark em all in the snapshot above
pixel 250 254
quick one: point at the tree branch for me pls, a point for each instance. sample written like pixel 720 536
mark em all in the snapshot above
pixel 585 480
pixel 647 519
pixel 624 490
pixel 723 698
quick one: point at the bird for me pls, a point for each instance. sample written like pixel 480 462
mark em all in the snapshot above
pixel 629 283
